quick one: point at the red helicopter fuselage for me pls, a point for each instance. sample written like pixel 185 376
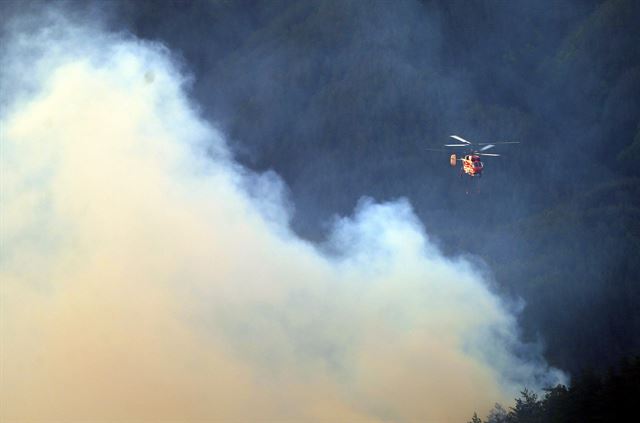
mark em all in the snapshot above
pixel 472 165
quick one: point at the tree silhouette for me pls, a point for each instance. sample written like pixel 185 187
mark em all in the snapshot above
pixel 475 419
pixel 498 415
pixel 592 398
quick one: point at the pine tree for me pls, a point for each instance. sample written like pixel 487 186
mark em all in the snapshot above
pixel 475 419
pixel 498 415
pixel 528 408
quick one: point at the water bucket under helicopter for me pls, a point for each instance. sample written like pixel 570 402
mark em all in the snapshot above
pixel 452 160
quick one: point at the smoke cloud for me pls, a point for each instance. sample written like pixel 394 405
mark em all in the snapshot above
pixel 146 275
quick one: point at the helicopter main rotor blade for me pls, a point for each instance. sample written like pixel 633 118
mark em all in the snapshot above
pixel 489 154
pixel 456 145
pixel 460 139
pixel 486 147
pixel 496 143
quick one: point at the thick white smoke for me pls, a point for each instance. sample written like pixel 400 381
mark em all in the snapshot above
pixel 145 275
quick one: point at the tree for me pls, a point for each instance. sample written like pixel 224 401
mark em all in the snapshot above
pixel 498 415
pixel 528 408
pixel 475 419
pixel 556 404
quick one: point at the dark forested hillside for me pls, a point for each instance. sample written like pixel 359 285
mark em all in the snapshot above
pixel 342 98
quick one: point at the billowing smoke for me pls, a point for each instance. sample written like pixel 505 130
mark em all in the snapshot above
pixel 145 275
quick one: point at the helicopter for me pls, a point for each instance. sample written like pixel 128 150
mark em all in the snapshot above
pixel 471 160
